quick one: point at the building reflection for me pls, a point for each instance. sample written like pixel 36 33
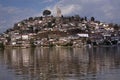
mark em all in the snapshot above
pixel 60 63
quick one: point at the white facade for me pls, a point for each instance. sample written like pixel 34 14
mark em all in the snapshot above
pixel 83 35
pixel 25 37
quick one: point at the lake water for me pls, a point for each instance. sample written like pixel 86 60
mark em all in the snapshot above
pixel 61 63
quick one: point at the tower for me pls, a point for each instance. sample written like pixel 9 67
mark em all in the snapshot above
pixel 58 16
pixel 58 10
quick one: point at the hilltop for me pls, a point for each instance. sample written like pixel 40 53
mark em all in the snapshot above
pixel 48 30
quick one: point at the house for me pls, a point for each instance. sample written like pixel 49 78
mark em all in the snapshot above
pixel 25 37
pixel 84 35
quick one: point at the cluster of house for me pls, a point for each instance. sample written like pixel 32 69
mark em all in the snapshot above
pixel 59 31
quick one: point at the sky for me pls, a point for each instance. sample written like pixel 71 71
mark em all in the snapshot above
pixel 13 11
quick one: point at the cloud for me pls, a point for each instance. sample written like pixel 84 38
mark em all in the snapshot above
pixel 104 10
pixel 11 15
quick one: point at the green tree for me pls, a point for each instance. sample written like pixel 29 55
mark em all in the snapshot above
pixel 46 12
pixel 92 19
pixel 116 27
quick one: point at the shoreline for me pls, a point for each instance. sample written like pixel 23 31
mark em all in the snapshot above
pixel 48 46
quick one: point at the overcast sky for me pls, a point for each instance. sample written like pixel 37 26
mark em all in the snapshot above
pixel 12 11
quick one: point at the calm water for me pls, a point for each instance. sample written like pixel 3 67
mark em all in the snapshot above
pixel 60 64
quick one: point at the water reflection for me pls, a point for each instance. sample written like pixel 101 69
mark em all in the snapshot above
pixel 61 63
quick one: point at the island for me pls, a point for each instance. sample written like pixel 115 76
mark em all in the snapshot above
pixel 59 30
